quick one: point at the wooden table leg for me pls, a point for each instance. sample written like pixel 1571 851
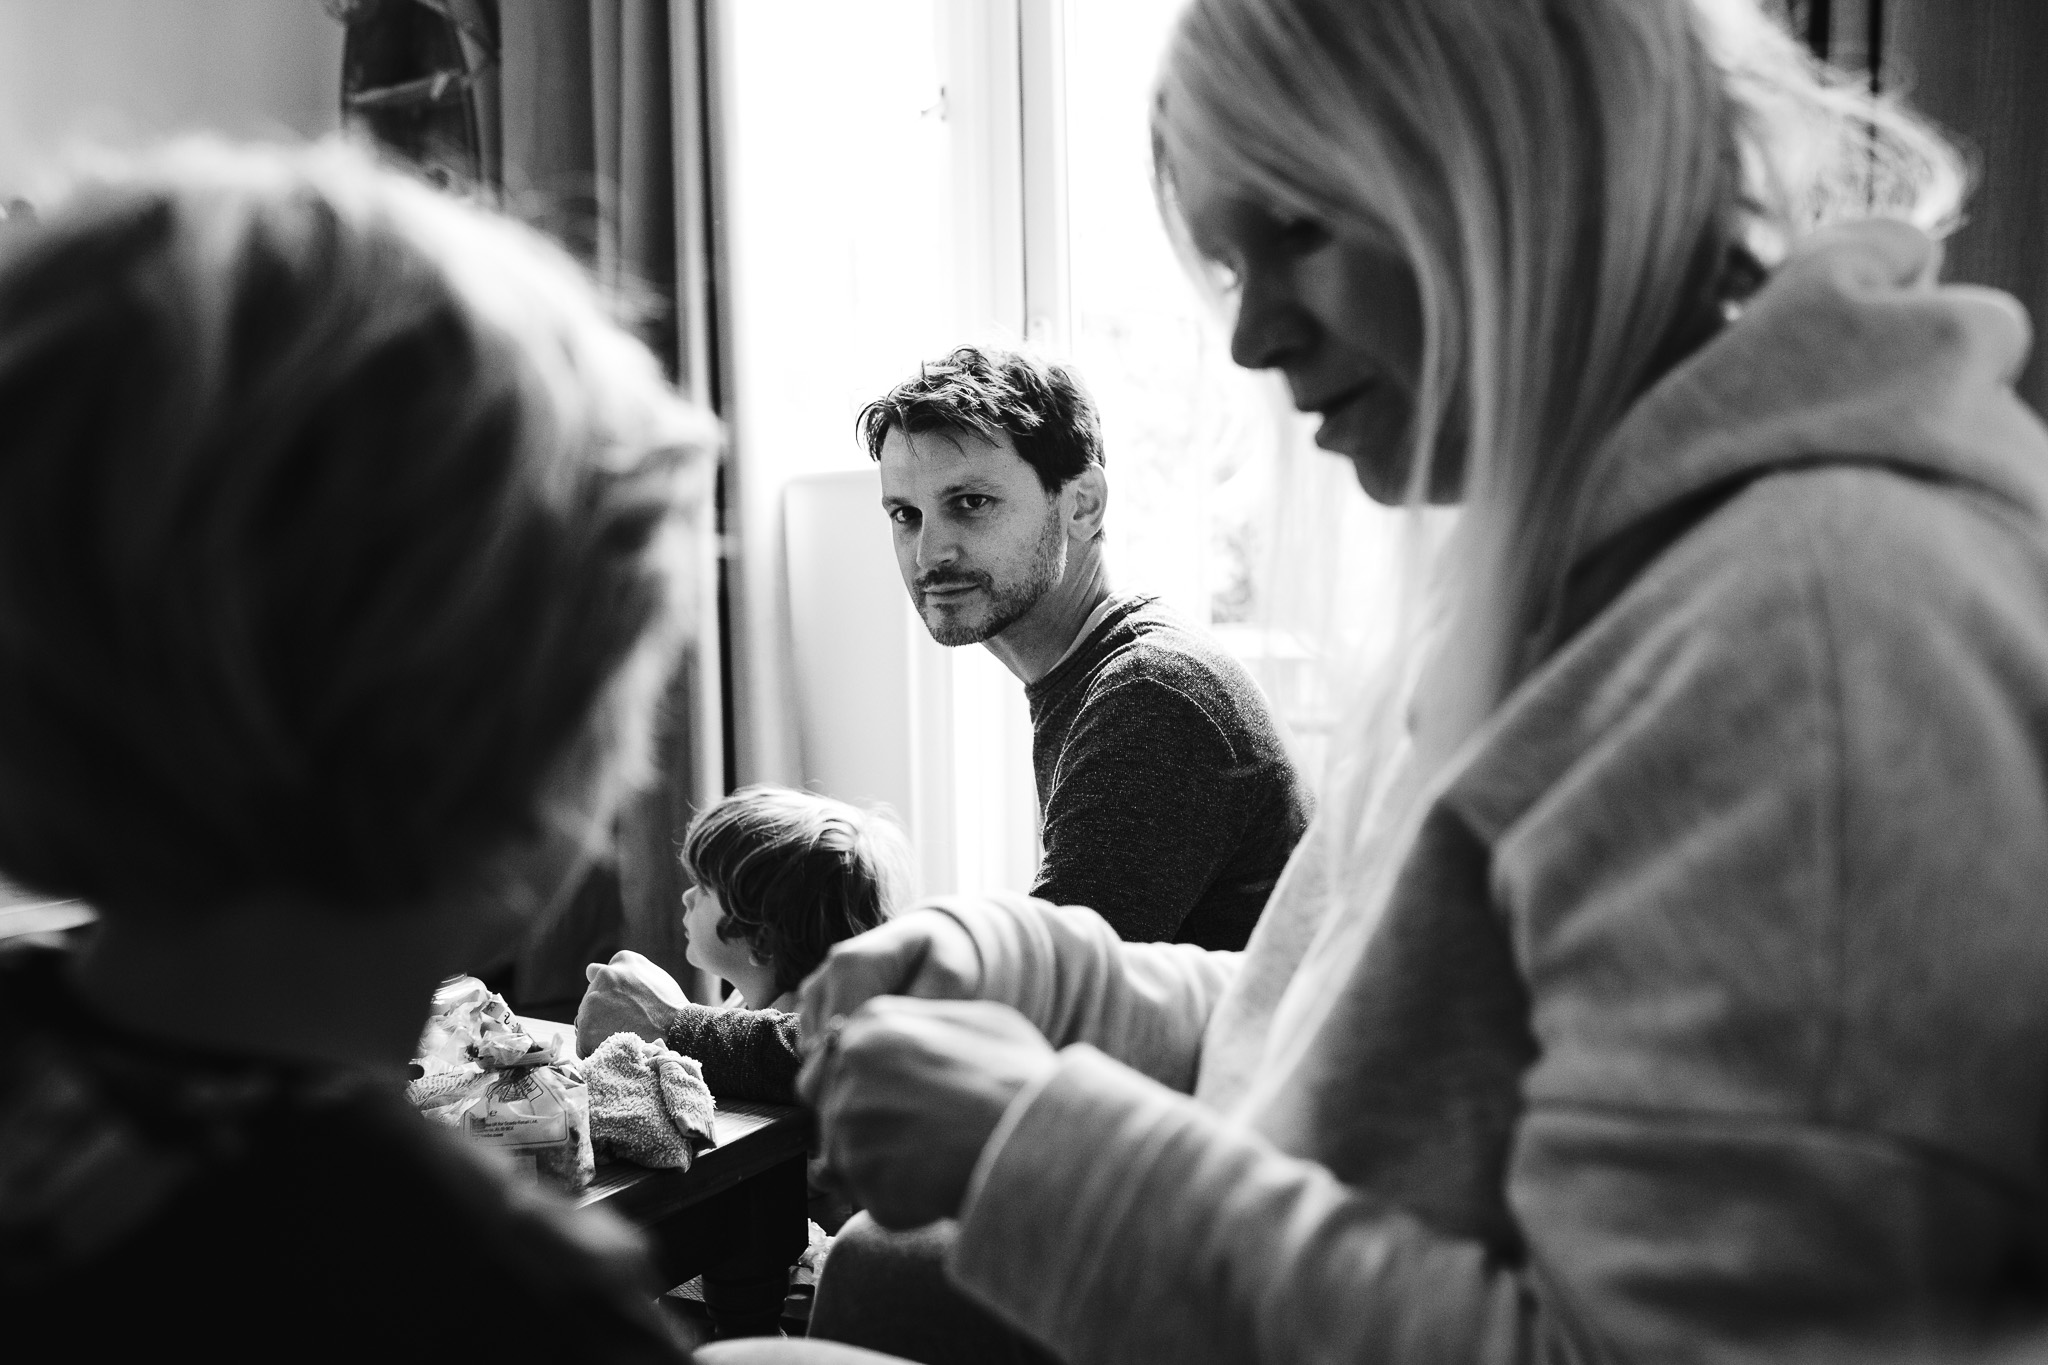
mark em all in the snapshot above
pixel 743 1242
pixel 745 1290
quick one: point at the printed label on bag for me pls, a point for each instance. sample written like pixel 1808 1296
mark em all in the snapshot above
pixel 501 1129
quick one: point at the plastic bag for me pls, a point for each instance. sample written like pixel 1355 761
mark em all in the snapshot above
pixel 472 1029
pixel 482 1074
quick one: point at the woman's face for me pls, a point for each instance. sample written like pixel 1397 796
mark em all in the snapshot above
pixel 1340 318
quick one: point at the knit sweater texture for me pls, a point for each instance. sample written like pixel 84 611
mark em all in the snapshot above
pixel 1169 802
pixel 1704 1016
pixel 746 1054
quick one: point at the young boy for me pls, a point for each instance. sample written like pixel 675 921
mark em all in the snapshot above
pixel 781 875
pixel 341 565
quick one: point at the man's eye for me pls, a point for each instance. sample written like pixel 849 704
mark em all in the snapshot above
pixel 903 516
pixel 974 502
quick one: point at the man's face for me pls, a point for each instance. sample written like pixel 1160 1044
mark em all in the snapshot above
pixel 977 538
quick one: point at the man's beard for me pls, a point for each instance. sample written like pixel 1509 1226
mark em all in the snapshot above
pixel 1002 604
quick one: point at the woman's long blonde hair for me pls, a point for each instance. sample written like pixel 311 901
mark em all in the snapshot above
pixel 1569 181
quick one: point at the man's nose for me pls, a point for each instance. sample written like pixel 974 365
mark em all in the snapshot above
pixel 936 547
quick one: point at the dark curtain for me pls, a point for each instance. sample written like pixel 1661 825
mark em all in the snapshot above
pixel 411 76
pixel 1970 67
pixel 1973 68
pixel 587 119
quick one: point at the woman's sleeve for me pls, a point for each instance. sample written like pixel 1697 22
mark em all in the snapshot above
pixel 1778 910
pixel 1175 1236
pixel 1065 969
pixel 1178 1236
pixel 746 1054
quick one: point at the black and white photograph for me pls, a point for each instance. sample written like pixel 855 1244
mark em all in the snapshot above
pixel 1024 682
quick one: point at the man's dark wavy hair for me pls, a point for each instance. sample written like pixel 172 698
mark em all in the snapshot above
pixel 991 393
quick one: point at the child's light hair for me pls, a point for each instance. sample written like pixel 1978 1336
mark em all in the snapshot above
pixel 796 873
pixel 339 536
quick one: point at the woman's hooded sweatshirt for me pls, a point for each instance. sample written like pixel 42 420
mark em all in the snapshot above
pixel 1708 1009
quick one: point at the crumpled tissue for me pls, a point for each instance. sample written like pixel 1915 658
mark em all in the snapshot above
pixel 482 1074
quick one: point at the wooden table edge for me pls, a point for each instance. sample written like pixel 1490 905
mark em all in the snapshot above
pixel 643 1194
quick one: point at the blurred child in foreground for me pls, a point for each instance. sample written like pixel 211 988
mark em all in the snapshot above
pixel 340 559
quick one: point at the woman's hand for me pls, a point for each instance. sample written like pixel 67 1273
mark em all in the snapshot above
pixel 908 1093
pixel 924 953
pixel 629 994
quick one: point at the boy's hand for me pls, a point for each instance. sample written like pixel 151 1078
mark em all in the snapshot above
pixel 629 994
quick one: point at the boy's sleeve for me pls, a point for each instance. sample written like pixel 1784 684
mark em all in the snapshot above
pixel 746 1054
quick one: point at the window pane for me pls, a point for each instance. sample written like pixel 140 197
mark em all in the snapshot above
pixel 1197 447
pixel 1180 422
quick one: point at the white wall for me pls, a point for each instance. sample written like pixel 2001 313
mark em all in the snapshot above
pixel 863 663
pixel 837 202
pixel 871 221
pixel 128 70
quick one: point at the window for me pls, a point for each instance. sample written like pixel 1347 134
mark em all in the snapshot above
pixel 1199 450
pixel 900 177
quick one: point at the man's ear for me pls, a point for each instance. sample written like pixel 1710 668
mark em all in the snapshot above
pixel 1086 496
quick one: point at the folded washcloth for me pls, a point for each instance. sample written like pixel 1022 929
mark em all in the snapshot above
pixel 648 1104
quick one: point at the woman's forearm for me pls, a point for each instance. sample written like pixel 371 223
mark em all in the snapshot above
pixel 1065 969
pixel 1180 1236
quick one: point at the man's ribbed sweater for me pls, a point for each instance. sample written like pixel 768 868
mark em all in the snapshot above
pixel 1169 802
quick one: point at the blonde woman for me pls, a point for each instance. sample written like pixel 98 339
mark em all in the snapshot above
pixel 1687 994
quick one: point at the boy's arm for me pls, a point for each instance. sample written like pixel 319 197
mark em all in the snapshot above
pixel 746 1054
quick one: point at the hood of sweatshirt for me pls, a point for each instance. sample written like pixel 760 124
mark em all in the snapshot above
pixel 1852 352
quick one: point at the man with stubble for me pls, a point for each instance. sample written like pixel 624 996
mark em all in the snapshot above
pixel 1169 804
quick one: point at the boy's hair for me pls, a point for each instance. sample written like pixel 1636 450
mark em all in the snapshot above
pixel 991 393
pixel 339 536
pixel 796 873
